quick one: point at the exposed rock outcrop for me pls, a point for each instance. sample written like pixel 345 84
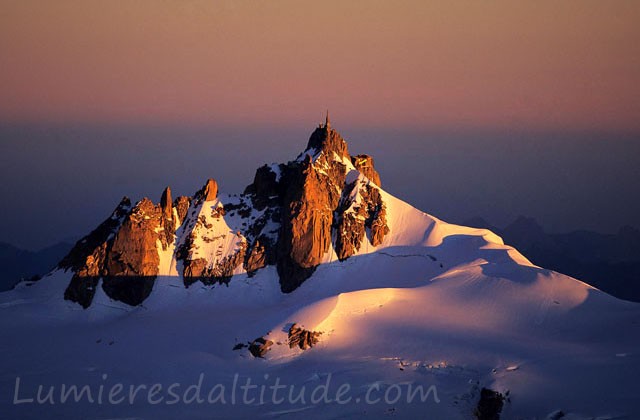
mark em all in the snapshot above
pixel 490 405
pixel 266 194
pixel 134 251
pixel 181 204
pixel 364 164
pixel 314 190
pixel 304 339
pixel 293 216
pixel 256 259
pixel 123 251
pixel 260 346
pixel 361 209
pixel 209 192
pixel 327 140
pixel 223 250
pixel 81 290
pixel 266 189
pixel 132 290
pixel 377 222
pixel 165 203
pixel 88 255
pixel 84 282
pixel 210 273
pixel 77 257
pixel 133 260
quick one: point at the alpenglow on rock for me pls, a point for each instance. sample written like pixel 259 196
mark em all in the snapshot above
pixel 321 207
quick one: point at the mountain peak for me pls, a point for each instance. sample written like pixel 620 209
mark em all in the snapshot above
pixel 209 191
pixel 295 216
pixel 326 139
pixel 166 204
pixel 525 224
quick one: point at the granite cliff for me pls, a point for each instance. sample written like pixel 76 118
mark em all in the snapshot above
pixel 295 216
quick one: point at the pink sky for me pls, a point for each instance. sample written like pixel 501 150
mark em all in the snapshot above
pixel 558 65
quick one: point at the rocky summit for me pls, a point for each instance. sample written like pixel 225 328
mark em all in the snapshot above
pixel 322 206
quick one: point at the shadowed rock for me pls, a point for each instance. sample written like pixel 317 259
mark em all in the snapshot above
pixel 123 251
pixel 132 290
pixel 260 346
pixel 490 405
pixel 181 204
pixel 88 256
pixel 77 257
pixel 81 289
pixel 166 204
pixel 266 190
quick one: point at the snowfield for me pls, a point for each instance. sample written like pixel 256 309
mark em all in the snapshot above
pixel 436 310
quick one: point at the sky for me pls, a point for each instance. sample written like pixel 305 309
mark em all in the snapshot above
pixel 489 109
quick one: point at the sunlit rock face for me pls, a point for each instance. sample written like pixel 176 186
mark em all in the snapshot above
pixel 327 140
pixel 87 258
pixel 123 251
pixel 295 216
pixel 361 210
pixel 302 338
pixel 364 164
pixel 209 192
pixel 133 251
pixel 313 194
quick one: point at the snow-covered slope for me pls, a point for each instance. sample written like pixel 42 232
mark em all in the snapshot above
pixel 445 307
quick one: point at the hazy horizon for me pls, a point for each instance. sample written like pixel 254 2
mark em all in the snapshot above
pixel 61 180
pixel 470 109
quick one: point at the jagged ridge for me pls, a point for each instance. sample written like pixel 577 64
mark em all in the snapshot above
pixel 293 216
